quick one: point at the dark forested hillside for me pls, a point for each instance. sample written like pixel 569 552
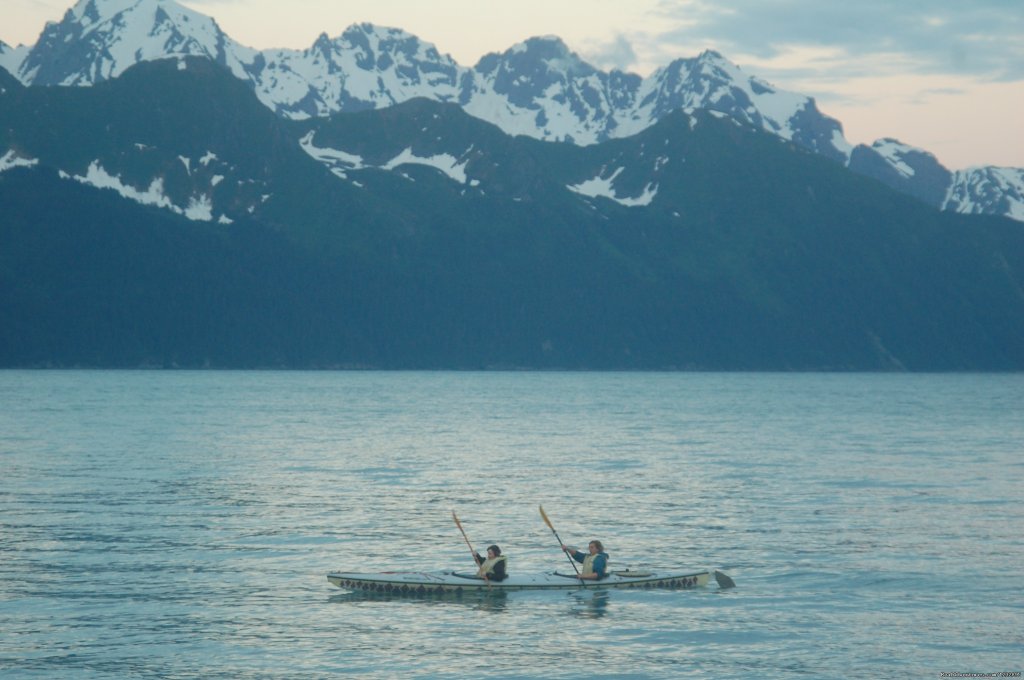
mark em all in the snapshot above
pixel 418 237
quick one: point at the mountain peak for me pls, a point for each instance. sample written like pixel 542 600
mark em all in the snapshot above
pixel 360 32
pixel 364 28
pixel 11 58
pixel 394 43
pixel 322 44
pixel 895 150
pixel 549 49
pixel 533 58
pixel 99 39
pixel 898 153
pixel 543 43
pixel 891 141
pixel 712 55
pixel 712 62
pixel 94 13
pixel 84 11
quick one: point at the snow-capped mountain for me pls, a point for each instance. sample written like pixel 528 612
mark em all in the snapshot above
pixel 975 191
pixel 538 88
pixel 541 89
pixel 986 191
pixel 904 168
pixel 364 68
pixel 99 39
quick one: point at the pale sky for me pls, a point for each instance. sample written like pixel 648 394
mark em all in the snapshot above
pixel 946 76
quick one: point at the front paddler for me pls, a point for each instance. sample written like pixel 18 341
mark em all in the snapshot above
pixel 595 564
pixel 495 567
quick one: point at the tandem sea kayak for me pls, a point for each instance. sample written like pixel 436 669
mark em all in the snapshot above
pixel 442 582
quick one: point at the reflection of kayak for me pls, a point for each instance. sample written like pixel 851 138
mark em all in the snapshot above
pixel 423 583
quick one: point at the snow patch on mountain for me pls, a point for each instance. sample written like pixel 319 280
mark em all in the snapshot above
pixel 987 190
pixel 341 162
pixel 894 152
pixel 604 187
pixel 337 161
pixel 97 176
pixel 444 162
pixel 12 160
pixel 199 208
pixel 11 57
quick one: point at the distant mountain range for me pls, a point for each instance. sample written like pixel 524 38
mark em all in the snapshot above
pixel 167 216
pixel 538 88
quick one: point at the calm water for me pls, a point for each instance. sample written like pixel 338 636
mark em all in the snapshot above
pixel 180 524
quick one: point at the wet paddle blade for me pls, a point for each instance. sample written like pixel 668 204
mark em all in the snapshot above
pixel 545 516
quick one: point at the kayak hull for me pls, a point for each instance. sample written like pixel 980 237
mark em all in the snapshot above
pixel 447 582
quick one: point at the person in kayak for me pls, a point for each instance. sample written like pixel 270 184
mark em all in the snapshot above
pixel 495 567
pixel 595 565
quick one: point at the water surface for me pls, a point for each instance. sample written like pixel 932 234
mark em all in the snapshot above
pixel 180 524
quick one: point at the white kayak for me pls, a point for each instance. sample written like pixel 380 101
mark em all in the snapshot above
pixel 442 582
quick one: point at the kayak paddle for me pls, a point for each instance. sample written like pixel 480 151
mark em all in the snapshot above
pixel 470 545
pixel 571 560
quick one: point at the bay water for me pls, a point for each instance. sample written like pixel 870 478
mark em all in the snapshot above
pixel 181 524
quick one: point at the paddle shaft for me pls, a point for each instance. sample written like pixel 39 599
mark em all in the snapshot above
pixel 469 545
pixel 560 543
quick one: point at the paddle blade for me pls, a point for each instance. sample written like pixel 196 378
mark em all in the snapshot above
pixel 545 516
pixel 723 580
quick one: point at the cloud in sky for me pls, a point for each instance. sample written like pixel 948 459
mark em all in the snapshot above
pixel 980 38
pixel 618 53
pixel 946 76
